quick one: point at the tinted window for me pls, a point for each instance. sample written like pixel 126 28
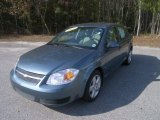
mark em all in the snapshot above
pixel 121 32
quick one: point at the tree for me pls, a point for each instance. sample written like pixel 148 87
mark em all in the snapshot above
pixel 139 16
pixel 51 16
pixel 154 7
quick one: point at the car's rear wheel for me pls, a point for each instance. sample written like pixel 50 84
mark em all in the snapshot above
pixel 129 58
pixel 93 86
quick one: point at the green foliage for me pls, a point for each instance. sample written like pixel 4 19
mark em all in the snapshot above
pixel 152 5
pixel 51 16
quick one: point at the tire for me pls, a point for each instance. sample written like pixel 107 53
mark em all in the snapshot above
pixel 93 87
pixel 129 58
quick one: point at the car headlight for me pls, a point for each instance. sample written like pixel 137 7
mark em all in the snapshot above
pixel 62 77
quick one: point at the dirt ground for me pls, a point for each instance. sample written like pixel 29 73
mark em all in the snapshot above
pixel 151 41
pixel 26 38
pixel 143 40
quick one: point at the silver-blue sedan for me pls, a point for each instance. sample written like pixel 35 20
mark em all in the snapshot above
pixel 73 65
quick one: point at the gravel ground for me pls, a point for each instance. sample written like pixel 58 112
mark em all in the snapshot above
pixel 130 93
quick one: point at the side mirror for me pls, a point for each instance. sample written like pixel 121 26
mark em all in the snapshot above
pixel 112 44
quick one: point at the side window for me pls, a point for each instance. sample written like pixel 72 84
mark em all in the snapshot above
pixel 121 32
pixel 112 35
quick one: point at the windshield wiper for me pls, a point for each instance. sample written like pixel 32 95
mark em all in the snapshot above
pixel 66 45
pixel 71 45
pixel 75 46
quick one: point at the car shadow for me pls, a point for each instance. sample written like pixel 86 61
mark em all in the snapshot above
pixel 121 88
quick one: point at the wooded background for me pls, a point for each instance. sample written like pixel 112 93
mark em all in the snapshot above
pixel 52 16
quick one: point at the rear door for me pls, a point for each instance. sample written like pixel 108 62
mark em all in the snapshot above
pixel 123 42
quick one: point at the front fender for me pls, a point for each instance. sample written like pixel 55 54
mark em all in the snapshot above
pixel 87 71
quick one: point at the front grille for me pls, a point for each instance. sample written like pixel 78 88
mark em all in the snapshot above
pixel 28 76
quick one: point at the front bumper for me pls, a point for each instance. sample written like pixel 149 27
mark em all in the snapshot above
pixel 46 94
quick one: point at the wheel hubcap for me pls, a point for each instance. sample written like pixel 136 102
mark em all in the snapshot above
pixel 95 86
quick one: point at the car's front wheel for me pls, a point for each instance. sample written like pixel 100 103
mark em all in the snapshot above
pixel 93 86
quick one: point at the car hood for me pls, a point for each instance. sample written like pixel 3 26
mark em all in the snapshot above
pixel 48 58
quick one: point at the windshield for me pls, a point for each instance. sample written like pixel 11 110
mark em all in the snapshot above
pixel 80 36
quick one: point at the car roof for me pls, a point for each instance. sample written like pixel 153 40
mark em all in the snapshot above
pixel 101 24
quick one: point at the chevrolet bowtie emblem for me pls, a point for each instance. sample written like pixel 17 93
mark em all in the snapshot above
pixel 25 75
